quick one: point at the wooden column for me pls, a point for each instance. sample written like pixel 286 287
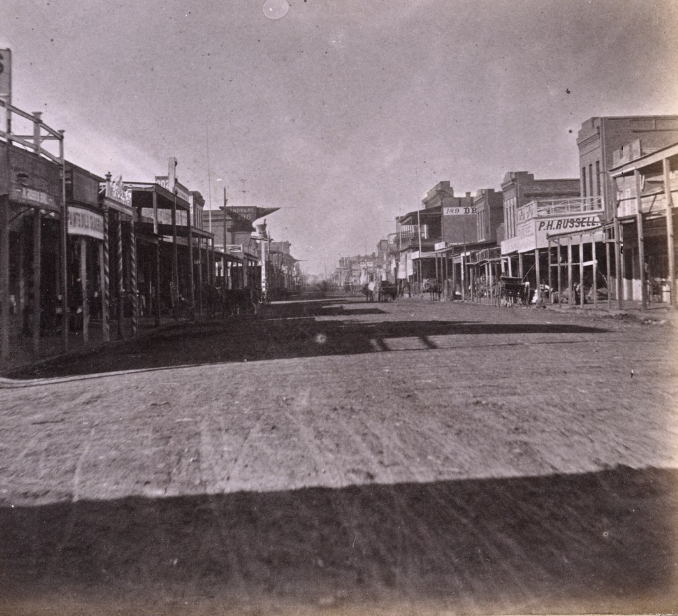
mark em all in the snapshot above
pixel 560 276
pixel 200 276
pixel 594 258
pixel 581 271
pixel 175 259
pixel 64 246
pixel 104 252
pixel 618 269
pixel 537 272
pixel 191 273
pixel 641 241
pixel 157 282
pixel 454 278
pixel 83 290
pixel 550 270
pixel 669 233
pixel 521 272
pixel 37 270
pixel 570 286
pixel 607 265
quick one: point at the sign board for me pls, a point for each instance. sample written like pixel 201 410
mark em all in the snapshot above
pixel 459 211
pixel 85 222
pixel 6 74
pixel 165 216
pixel 31 196
pixel 33 180
pixel 533 234
pixel 440 245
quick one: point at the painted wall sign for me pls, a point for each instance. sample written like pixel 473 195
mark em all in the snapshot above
pixel 459 211
pixel 85 222
pixel 533 234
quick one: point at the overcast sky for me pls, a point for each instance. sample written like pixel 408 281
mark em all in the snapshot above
pixel 342 112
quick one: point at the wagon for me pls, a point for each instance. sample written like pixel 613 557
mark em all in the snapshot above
pixel 512 290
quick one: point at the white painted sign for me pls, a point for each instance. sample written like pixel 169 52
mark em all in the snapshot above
pixel 440 245
pixel 459 211
pixel 534 233
pixel 85 222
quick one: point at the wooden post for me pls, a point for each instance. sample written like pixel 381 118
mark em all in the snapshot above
pixel 454 278
pixel 175 258
pixel 83 290
pixel 463 277
pixel 191 273
pixel 521 272
pixel 560 276
pixel 105 281
pixel 669 233
pixel 4 275
pixel 594 258
pixel 157 281
pixel 550 273
pixel 607 265
pixel 64 245
pixel 618 266
pixel 120 271
pixel 200 275
pixel 581 271
pixel 570 286
pixel 537 271
pixel 37 270
pixel 641 241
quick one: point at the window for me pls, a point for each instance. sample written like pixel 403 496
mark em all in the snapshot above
pixel 583 181
pixel 598 192
pixel 591 180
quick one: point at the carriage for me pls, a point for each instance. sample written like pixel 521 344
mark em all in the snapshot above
pixel 512 291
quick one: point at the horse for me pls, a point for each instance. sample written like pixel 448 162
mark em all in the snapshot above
pixel 240 301
pixel 432 287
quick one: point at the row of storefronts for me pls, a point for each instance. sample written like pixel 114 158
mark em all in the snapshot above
pixel 605 237
pixel 85 257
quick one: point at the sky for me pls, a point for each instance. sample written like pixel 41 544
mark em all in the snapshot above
pixel 343 113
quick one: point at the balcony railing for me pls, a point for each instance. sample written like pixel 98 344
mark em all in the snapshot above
pixel 557 207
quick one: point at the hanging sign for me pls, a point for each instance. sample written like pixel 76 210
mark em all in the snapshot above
pixel 85 222
pixel 6 74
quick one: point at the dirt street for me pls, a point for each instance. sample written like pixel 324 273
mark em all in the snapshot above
pixel 343 457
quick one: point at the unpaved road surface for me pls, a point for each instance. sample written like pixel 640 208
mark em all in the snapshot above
pixel 340 457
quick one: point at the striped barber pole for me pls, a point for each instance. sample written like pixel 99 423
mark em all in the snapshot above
pixel 121 289
pixel 133 278
pixel 106 292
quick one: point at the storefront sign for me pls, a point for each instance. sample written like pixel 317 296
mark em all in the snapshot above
pixel 459 211
pixel 116 191
pixel 165 216
pixel 37 198
pixel 85 222
pixel 440 245
pixel 534 233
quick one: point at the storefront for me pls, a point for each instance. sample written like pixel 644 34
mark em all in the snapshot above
pixel 33 237
pixel 85 250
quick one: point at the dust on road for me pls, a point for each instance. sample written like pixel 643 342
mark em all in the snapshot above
pixel 352 458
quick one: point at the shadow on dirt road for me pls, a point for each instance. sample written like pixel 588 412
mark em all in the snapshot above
pixel 597 542
pixel 302 329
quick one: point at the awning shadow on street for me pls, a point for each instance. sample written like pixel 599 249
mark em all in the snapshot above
pixel 591 543
pixel 259 339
